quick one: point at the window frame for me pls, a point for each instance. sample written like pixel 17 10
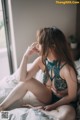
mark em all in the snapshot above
pixel 7 33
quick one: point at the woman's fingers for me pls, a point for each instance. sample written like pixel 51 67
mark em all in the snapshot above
pixel 34 44
pixel 48 108
pixel 32 49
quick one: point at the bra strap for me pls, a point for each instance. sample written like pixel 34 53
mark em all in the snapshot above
pixel 62 65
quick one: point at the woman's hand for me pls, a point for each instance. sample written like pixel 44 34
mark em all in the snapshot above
pixel 46 108
pixel 49 107
pixel 60 93
pixel 31 49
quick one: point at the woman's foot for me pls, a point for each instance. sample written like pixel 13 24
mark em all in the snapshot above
pixel 34 107
pixel 27 106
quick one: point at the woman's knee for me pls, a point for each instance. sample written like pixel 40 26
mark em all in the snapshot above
pixel 66 112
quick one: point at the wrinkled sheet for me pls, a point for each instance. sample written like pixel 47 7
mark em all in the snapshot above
pixel 28 114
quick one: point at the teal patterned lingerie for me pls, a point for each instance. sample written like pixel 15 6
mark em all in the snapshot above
pixel 53 73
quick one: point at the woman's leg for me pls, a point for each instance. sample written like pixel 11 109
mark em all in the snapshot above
pixel 18 92
pixel 37 88
pixel 64 112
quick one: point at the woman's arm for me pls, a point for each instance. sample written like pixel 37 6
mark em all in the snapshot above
pixel 24 74
pixel 71 79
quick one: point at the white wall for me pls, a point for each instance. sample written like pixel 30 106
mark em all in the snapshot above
pixel 30 15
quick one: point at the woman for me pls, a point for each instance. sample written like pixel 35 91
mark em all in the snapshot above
pixel 60 76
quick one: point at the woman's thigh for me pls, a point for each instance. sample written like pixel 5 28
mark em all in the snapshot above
pixel 66 112
pixel 42 93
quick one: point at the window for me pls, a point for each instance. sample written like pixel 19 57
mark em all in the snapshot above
pixel 5 53
pixel 2 29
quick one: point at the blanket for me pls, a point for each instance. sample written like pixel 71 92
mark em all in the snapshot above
pixel 26 114
pixel 15 111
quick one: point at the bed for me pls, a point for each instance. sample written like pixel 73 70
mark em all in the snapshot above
pixel 16 111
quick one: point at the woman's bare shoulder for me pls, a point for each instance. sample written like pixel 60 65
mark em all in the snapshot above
pixel 67 70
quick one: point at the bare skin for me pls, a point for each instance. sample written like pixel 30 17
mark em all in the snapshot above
pixel 27 83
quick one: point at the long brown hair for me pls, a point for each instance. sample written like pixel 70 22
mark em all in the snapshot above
pixel 55 39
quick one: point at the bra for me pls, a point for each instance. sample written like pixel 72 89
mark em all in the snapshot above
pixel 54 67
